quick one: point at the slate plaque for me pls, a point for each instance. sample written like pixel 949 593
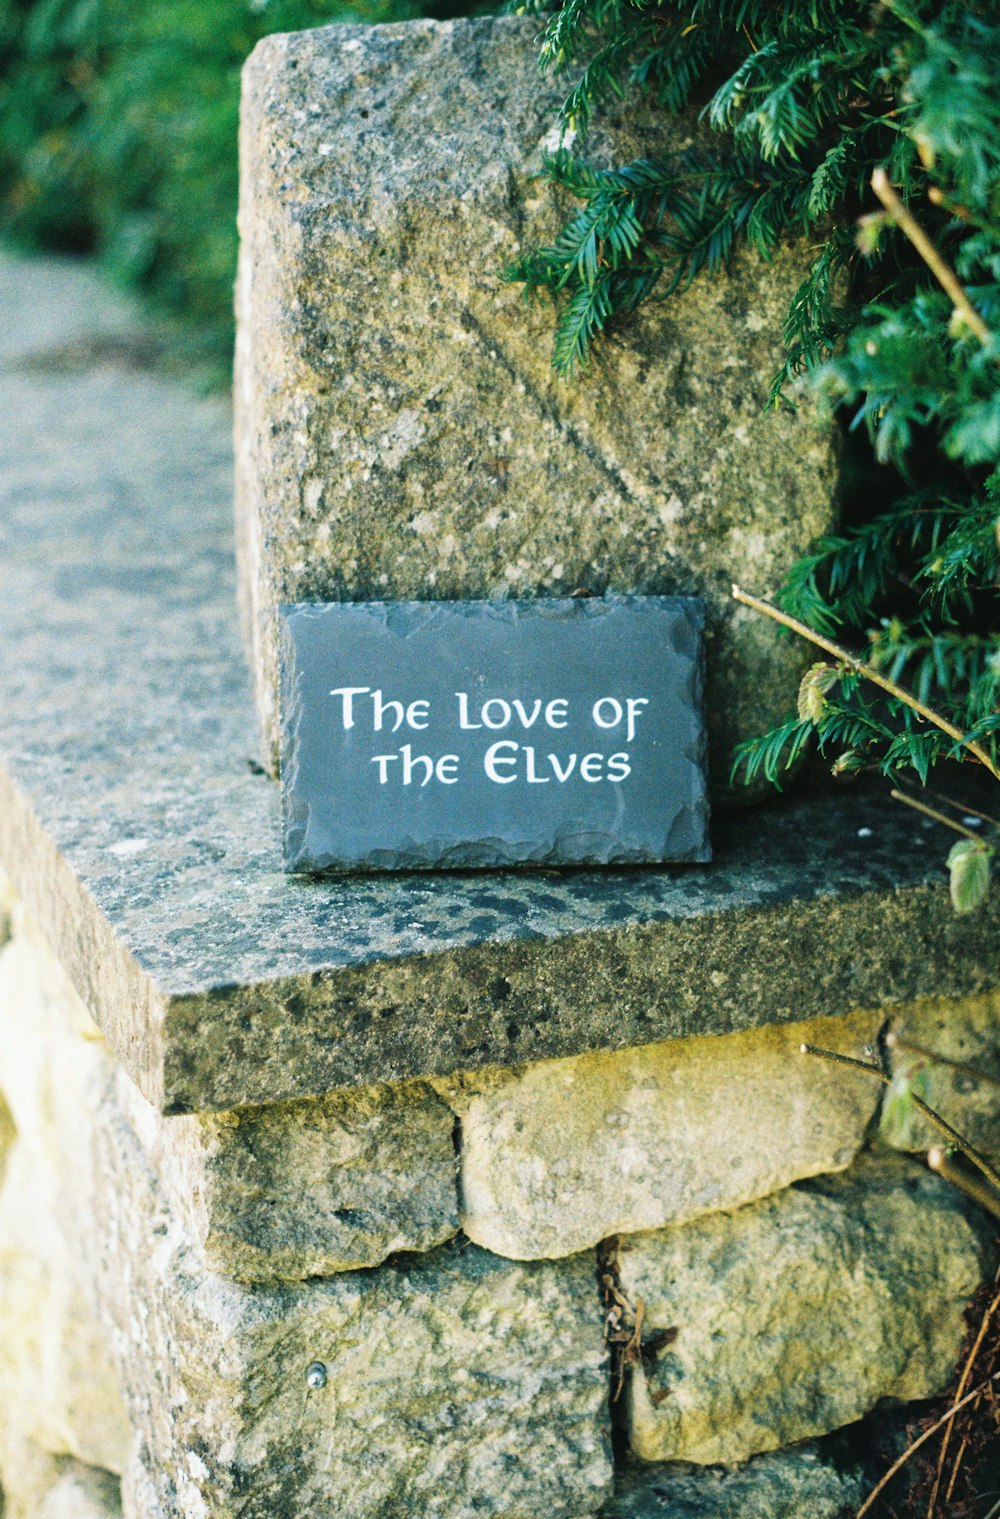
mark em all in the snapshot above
pixel 482 733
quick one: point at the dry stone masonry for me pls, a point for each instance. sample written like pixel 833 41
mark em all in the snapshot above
pixel 308 1187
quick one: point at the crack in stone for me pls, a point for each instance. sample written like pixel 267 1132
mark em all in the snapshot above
pixel 566 429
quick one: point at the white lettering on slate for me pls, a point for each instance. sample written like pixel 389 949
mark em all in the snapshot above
pixel 506 760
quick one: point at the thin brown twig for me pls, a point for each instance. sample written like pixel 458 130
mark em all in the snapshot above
pixel 987 1197
pixel 920 1440
pixel 937 197
pixel 942 271
pixel 950 801
pixel 896 1041
pixel 959 1390
pixel 941 1124
pixel 939 817
pixel 956 1467
pixel 853 662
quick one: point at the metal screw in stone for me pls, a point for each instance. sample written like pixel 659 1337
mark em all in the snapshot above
pixel 316 1377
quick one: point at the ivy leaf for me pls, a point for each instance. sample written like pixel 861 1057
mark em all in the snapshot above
pixel 969 865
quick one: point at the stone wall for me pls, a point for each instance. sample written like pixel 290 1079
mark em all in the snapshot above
pixel 397 1300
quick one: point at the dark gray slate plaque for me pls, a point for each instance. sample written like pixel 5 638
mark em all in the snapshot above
pixel 475 733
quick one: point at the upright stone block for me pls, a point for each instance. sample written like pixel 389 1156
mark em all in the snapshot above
pixel 797 1314
pixel 399 431
pixel 560 1155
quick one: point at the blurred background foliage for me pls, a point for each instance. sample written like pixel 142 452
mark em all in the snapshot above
pixel 118 127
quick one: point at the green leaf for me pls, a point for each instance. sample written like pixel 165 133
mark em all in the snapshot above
pixel 900 1123
pixel 969 865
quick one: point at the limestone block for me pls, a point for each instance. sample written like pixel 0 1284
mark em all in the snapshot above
pixel 57 1388
pixel 808 1482
pixel 568 1152
pixel 282 1192
pixel 304 1189
pixel 39 1485
pixel 795 1315
pixel 399 431
pixel 967 1093
pixel 452 1384
pixel 82 1492
pixel 26 1472
pixel 455 1384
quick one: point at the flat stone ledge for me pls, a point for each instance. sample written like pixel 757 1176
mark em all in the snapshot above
pixel 144 843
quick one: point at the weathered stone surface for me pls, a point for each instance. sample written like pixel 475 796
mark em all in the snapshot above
pixel 400 434
pixel 565 1153
pixel 57 1388
pixel 142 842
pixel 309 1188
pixel 795 1315
pixel 82 1492
pixel 38 1485
pixel 966 1094
pixel 807 1482
pixel 558 731
pixel 455 1384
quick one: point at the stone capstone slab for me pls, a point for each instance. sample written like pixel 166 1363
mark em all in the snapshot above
pixel 550 732
pixel 565 1153
pixel 400 434
pixel 148 850
pixel 305 1189
pixel 948 1053
pixel 797 1314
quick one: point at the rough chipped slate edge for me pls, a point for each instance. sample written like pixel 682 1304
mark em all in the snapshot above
pixel 319 839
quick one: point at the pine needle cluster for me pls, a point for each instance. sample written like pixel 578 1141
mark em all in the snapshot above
pixel 899 337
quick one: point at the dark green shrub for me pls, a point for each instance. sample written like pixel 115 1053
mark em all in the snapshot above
pixel 807 101
pixel 118 126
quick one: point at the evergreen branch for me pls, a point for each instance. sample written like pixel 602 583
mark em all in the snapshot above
pixel 943 273
pixel 859 667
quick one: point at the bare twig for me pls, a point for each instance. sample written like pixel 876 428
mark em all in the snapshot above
pixel 962 1382
pixel 852 661
pixel 984 1195
pixel 964 807
pixel 942 271
pixel 941 1124
pixel 920 1440
pixel 896 1041
pixel 939 817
